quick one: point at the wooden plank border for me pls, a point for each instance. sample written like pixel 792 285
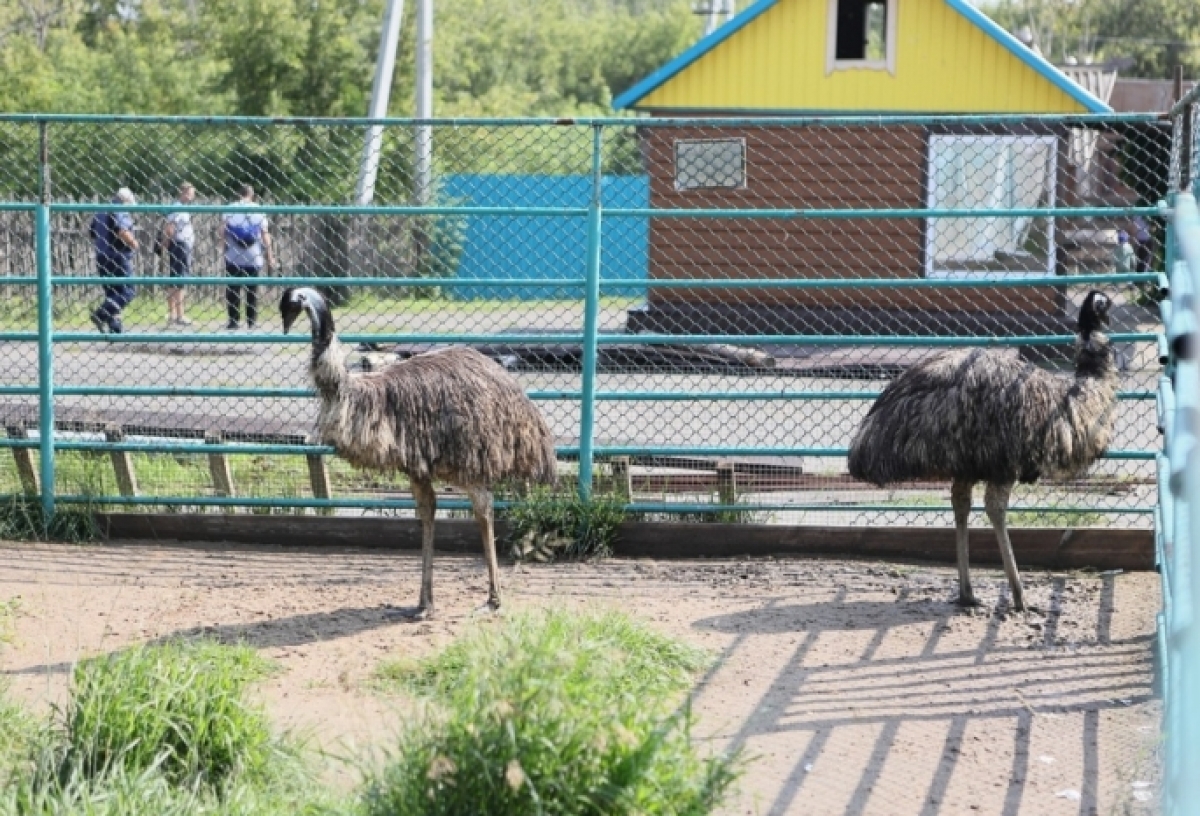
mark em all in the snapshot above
pixel 1034 547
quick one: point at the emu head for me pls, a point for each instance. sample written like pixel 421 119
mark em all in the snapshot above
pixel 308 300
pixel 1093 315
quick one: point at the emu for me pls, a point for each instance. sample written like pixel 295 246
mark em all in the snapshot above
pixel 452 415
pixel 971 416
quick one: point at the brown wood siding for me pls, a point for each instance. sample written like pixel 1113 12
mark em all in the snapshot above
pixel 806 168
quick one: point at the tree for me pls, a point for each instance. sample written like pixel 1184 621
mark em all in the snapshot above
pixel 1157 34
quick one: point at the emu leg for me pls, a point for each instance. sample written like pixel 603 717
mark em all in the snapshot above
pixel 960 500
pixel 995 500
pixel 426 500
pixel 481 502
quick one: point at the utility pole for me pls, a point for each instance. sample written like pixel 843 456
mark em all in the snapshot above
pixel 381 88
pixel 423 167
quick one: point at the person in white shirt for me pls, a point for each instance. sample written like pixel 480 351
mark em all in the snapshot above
pixel 247 251
pixel 177 244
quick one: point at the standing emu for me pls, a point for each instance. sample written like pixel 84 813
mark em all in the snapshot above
pixel 972 416
pixel 451 415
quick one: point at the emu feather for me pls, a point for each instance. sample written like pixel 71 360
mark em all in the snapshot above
pixel 450 415
pixel 971 415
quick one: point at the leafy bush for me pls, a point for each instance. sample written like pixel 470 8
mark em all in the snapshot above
pixel 551 713
pixel 178 708
pixel 547 525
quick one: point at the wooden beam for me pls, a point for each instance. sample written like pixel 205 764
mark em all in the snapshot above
pixel 318 477
pixel 726 483
pixel 622 477
pixel 218 467
pixel 122 462
pixel 23 457
pixel 1053 548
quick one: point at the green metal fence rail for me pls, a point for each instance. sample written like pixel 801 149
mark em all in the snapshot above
pixel 816 257
pixel 1177 518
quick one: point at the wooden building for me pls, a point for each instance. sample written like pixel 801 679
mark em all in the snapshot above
pixel 831 58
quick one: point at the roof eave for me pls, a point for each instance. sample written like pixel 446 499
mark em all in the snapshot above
pixel 1026 55
pixel 633 95
pixel 641 90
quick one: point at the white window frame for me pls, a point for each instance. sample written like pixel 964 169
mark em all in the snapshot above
pixel 832 63
pixel 987 274
pixel 739 140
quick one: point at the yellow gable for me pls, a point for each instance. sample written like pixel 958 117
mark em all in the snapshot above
pixel 943 62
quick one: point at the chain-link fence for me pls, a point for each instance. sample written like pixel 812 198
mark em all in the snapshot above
pixel 745 289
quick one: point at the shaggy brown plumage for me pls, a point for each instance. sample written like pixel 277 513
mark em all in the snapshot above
pixel 971 416
pixel 450 415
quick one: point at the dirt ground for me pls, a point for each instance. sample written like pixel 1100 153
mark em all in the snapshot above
pixel 852 687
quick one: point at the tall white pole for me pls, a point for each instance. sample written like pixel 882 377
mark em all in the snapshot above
pixel 381 89
pixel 423 180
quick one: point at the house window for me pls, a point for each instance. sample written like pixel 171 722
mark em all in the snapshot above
pixel 708 163
pixel 862 34
pixel 991 173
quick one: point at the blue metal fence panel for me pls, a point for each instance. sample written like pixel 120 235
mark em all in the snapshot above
pixel 553 249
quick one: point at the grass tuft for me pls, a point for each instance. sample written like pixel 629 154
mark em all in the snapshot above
pixel 548 525
pixel 551 713
pixel 178 709
pixel 22 519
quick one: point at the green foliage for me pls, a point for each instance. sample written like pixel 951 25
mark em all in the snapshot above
pixel 552 713
pixel 574 528
pixel 1157 35
pixel 650 663
pixel 22 519
pixel 316 57
pixel 178 709
pixel 161 730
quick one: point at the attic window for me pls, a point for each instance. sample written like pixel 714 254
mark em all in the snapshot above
pixel 862 34
pixel 708 163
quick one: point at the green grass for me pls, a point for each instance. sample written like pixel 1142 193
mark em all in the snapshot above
pixel 164 729
pixel 22 519
pixel 551 713
pixel 163 474
pixel 179 708
pixel 149 310
pixel 542 713
pixel 549 524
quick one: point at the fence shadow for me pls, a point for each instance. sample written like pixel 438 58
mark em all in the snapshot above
pixel 924 707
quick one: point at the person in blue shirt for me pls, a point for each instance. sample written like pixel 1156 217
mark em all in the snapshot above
pixel 112 233
pixel 247 240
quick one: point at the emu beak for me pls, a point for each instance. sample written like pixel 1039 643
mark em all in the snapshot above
pixel 290 306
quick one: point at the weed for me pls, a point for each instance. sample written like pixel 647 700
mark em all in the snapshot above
pixel 649 662
pixel 550 524
pixel 22 519
pixel 552 713
pixel 178 708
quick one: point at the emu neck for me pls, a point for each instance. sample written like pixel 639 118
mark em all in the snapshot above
pixel 1096 358
pixel 328 366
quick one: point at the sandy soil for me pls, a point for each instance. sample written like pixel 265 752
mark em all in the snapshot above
pixel 853 687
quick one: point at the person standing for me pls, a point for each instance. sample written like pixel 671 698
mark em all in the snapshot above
pixel 177 243
pixel 112 233
pixel 1143 247
pixel 1123 255
pixel 247 251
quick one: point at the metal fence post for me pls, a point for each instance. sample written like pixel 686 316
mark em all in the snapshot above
pixel 591 319
pixel 45 293
pixel 1183 715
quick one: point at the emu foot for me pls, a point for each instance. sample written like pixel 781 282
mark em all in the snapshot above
pixel 411 613
pixel 492 607
pixel 967 600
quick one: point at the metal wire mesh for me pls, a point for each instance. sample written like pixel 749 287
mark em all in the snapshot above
pixel 759 283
